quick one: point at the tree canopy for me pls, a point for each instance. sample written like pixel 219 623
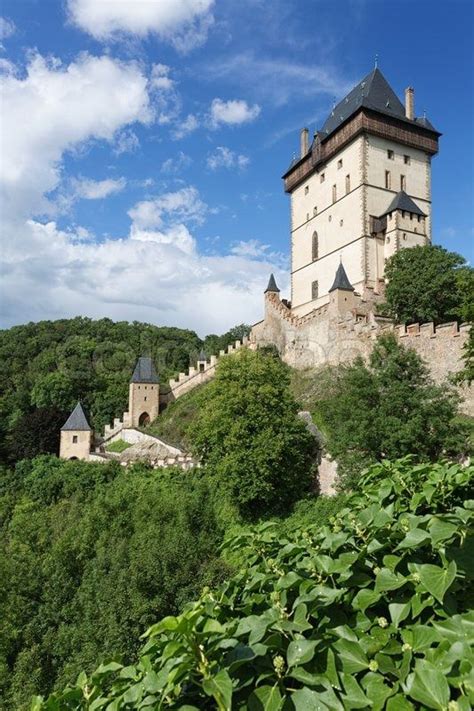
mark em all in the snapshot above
pixel 389 408
pixel 248 435
pixel 429 284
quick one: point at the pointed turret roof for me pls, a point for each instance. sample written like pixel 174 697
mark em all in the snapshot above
pixel 144 371
pixel 77 420
pixel 373 92
pixel 341 280
pixel 402 201
pixel 202 355
pixel 272 285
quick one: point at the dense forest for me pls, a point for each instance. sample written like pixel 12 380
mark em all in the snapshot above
pixel 50 365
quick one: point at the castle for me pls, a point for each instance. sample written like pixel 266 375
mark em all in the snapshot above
pixel 359 193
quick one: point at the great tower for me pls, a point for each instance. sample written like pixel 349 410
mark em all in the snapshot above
pixel 359 192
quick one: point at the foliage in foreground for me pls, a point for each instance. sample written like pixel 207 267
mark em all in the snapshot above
pixel 371 611
pixel 248 435
pixel 387 409
pixel 90 555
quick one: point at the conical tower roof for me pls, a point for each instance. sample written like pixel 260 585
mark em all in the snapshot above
pixel 402 201
pixel 341 280
pixel 272 285
pixel 144 371
pixel 77 421
pixel 202 355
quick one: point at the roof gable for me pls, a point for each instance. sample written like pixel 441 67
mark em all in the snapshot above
pixel 144 371
pixel 402 201
pixel 77 420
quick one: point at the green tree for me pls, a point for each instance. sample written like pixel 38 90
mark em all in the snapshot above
pixel 423 285
pixel 388 409
pixel 249 436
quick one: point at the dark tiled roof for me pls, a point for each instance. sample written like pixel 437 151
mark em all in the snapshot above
pixel 202 355
pixel 402 201
pixel 341 280
pixel 144 372
pixel 373 92
pixel 77 420
pixel 272 286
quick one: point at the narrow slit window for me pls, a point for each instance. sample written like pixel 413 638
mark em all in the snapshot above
pixel 334 193
pixel 315 247
pixel 388 181
pixel 403 182
pixel 348 184
pixel 314 290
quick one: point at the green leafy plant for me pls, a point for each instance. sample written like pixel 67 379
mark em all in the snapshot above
pixel 370 611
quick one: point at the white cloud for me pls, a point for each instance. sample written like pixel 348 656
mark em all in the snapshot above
pixel 233 112
pixel 126 142
pixel 88 189
pixel 185 127
pixel 278 80
pixel 91 98
pixel 184 23
pixel 155 274
pixel 7 29
pixel 176 164
pixel 223 157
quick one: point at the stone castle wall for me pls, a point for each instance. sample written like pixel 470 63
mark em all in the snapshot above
pixel 324 337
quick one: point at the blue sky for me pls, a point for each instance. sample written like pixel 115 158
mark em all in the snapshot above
pixel 143 143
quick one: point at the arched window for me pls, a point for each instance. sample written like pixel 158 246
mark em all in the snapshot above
pixel 315 247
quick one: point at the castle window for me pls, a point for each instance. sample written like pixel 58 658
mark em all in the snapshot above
pixel 388 240
pixel 419 218
pixel 348 184
pixel 315 211
pixel 74 439
pixel 406 160
pixel 321 178
pixel 415 229
pixel 404 236
pixel 403 182
pixel 388 181
pixel 306 190
pixel 315 246
pixel 341 222
pixel 334 193
pixel 307 216
pixel 390 155
pixel 330 218
pixel 144 399
pixel 339 164
pixel 411 216
pixel 314 290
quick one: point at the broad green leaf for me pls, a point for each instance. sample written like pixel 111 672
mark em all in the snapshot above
pixel 413 539
pixel 364 599
pixel 265 698
pixel 399 611
pixel 399 703
pixel 437 580
pixel 428 686
pixel 354 695
pixel 351 656
pixel 300 651
pixel 307 700
pixel 220 687
pixel 388 580
pixel 441 530
pixel 288 580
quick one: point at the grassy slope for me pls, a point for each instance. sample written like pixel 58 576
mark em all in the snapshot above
pixel 173 424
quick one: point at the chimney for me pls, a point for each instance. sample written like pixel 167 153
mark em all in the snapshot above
pixel 410 103
pixel 304 142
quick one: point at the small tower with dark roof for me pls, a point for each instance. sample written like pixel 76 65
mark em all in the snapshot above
pixel 341 294
pixel 202 361
pixel 272 286
pixel 144 394
pixel 76 436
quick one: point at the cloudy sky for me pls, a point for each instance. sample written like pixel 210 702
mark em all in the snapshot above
pixel 143 143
